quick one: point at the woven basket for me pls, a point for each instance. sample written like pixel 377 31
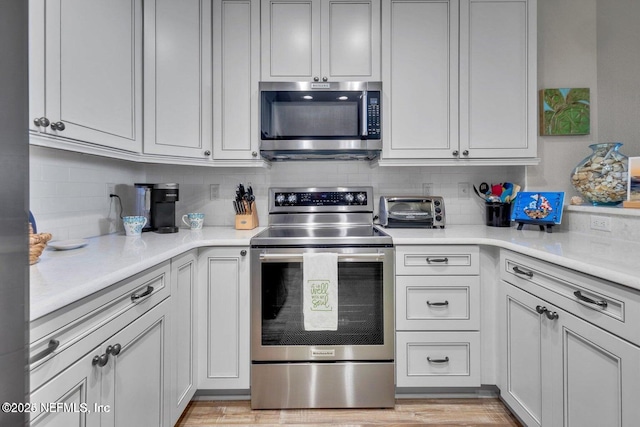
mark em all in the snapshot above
pixel 37 243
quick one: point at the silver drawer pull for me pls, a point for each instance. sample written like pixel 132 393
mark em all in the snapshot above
pixel 138 297
pixel 444 260
pixel 601 304
pixel 53 344
pixel 445 360
pixel 438 304
pixel 517 270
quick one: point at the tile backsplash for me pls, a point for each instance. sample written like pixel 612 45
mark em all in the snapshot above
pixel 70 191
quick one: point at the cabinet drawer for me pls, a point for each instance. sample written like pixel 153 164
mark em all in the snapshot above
pixel 83 325
pixel 438 359
pixel 437 260
pixel 611 306
pixel 437 302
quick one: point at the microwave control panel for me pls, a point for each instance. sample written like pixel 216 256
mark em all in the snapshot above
pixel 373 114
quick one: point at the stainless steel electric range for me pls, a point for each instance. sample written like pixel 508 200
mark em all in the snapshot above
pixel 353 365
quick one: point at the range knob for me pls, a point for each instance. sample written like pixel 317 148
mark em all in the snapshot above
pixel 280 198
pixel 436 202
pixel 438 210
pixel 361 198
pixel 292 198
pixel 348 198
pixel 438 218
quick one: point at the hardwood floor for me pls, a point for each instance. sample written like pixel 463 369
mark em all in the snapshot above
pixel 407 412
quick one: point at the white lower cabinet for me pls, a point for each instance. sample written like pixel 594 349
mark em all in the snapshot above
pixel 437 316
pixel 560 370
pixel 121 382
pixel 223 321
pixel 183 332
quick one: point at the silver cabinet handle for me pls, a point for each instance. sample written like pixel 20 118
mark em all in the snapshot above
pixel 445 360
pixel 59 126
pixel 601 304
pixel 138 297
pixel 444 260
pixel 254 154
pixel 42 121
pixel 53 344
pixel 517 270
pixel 207 153
pixel 455 153
pixel 438 304
pixel 114 349
pixel 316 79
pixel 465 153
pixel 243 253
pixel 100 360
pixel 552 315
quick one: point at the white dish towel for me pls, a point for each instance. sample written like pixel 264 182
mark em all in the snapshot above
pixel 320 291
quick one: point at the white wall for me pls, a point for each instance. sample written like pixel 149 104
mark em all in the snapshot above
pixel 618 73
pixel 567 57
pixel 69 196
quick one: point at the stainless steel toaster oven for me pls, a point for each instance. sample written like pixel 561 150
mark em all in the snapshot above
pixel 412 212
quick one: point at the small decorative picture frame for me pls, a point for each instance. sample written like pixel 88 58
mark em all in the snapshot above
pixel 633 183
pixel 565 111
pixel 540 208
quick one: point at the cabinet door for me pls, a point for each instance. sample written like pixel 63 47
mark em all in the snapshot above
pixel 93 71
pixel 72 398
pixel 183 332
pixel 290 40
pixel 420 78
pixel 177 78
pixel 135 379
pixel 236 53
pixel 498 78
pixel 524 352
pixel 598 374
pixel 223 295
pixel 350 46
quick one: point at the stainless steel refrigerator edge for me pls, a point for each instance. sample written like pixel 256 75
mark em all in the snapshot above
pixel 14 173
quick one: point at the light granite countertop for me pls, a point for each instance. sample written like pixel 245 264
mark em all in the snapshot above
pixel 63 277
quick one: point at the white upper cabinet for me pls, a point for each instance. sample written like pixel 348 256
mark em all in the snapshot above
pixel 459 81
pixel 320 40
pixel 236 71
pixel 498 78
pixel 86 71
pixel 177 78
pixel 420 78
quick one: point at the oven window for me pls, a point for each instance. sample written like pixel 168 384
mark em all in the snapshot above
pixel 360 306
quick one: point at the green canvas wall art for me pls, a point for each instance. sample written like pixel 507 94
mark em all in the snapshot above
pixel 564 111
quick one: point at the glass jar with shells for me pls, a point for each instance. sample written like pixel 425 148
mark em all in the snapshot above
pixel 601 178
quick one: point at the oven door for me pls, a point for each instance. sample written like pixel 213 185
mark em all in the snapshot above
pixel 365 307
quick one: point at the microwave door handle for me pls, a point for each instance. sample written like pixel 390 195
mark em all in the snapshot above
pixel 364 134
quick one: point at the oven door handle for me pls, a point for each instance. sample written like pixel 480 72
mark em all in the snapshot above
pixel 345 257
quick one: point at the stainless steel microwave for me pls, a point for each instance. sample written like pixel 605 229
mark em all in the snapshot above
pixel 320 120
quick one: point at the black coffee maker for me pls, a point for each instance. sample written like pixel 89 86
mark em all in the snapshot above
pixel 157 202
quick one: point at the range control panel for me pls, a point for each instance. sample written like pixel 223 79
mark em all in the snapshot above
pixel 321 199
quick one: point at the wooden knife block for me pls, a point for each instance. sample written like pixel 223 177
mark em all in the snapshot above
pixel 247 221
